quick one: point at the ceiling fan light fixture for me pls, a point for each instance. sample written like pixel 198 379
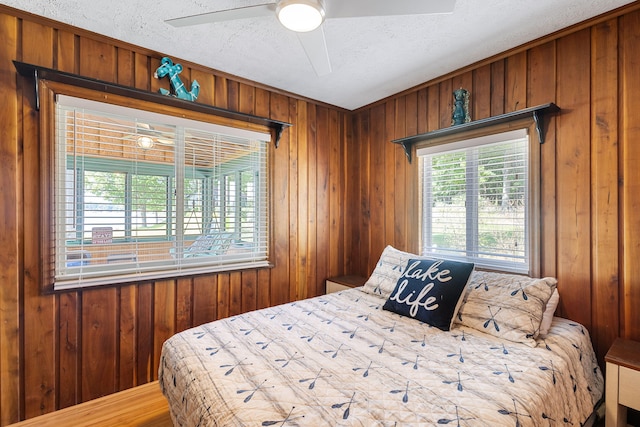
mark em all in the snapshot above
pixel 300 15
pixel 145 142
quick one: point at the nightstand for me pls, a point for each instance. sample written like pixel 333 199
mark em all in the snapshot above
pixel 340 283
pixel 623 376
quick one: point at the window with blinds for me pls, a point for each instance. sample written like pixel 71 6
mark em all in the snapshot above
pixel 140 195
pixel 475 201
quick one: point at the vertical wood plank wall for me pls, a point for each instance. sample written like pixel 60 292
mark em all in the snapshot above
pixel 59 350
pixel 341 192
pixel 590 219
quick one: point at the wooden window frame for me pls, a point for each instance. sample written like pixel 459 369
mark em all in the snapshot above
pixel 534 212
pixel 47 92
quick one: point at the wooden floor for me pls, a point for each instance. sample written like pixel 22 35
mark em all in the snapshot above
pixel 142 406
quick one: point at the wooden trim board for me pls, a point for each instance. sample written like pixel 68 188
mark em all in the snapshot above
pixel 141 406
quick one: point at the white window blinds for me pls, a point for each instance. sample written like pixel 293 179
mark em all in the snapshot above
pixel 140 195
pixel 475 201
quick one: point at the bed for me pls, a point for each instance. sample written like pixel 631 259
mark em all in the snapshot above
pixel 343 359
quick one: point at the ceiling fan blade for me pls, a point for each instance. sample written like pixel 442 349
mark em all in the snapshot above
pixel 315 46
pixel 225 15
pixel 358 8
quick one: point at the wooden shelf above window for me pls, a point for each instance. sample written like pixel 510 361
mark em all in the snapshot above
pixel 42 73
pixel 536 112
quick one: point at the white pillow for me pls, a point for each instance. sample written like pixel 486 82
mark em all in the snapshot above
pixel 507 306
pixel 390 266
pixel 547 316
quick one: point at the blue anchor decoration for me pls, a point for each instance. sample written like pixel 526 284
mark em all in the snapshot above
pixel 168 67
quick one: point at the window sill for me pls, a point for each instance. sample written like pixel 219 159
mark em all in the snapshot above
pixel 125 280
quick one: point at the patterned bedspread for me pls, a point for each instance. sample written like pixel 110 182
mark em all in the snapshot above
pixel 340 360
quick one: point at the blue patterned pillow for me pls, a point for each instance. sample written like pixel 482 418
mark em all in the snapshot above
pixel 430 290
pixel 387 272
pixel 507 306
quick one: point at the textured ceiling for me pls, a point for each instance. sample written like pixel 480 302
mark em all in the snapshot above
pixel 372 57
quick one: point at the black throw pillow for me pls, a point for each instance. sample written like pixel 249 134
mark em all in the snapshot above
pixel 430 290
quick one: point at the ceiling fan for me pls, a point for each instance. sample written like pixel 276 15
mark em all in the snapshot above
pixel 305 17
pixel 146 136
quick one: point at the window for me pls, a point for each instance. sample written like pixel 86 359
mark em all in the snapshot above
pixel 140 195
pixel 478 203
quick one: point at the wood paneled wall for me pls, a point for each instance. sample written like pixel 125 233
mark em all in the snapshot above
pixel 590 219
pixel 59 350
pixel 341 192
